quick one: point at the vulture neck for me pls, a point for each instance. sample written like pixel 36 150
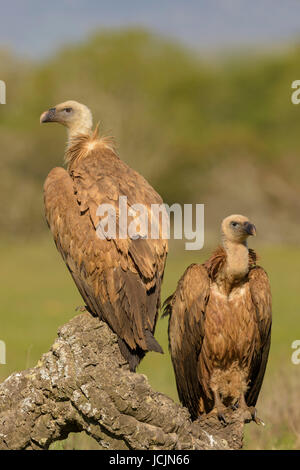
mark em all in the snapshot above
pixel 237 260
pixel 76 131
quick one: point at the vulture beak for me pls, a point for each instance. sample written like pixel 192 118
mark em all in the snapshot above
pixel 48 116
pixel 250 228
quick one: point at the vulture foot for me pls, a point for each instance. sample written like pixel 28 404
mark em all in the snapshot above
pixel 85 308
pixel 219 408
pixel 250 410
pixel 234 406
pixel 81 308
pixel 254 416
pixel 219 413
pixel 222 418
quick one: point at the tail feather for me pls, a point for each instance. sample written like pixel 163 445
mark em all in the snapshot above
pixel 152 344
pixel 132 356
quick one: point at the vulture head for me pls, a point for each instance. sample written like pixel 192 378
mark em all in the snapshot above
pixel 75 116
pixel 237 228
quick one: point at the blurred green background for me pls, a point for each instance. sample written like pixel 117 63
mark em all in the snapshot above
pixel 219 131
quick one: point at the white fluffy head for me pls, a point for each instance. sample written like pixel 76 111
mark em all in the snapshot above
pixel 75 116
pixel 237 228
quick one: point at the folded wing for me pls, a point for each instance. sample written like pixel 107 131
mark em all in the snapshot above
pixel 186 308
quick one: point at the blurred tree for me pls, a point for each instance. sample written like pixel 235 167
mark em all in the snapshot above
pixel 177 120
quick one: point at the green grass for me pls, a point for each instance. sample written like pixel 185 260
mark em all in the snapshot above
pixel 38 296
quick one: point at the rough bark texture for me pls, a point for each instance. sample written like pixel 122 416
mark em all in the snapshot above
pixel 84 384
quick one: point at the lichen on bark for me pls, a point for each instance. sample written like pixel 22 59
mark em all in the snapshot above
pixel 84 384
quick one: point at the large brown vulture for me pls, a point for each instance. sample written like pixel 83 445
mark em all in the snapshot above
pixel 118 278
pixel 220 326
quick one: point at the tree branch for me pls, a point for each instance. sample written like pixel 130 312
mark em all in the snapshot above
pixel 84 384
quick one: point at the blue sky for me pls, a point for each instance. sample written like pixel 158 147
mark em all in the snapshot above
pixel 36 28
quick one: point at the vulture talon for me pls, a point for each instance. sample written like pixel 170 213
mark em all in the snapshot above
pixel 218 412
pixel 222 419
pixel 254 416
pixel 81 308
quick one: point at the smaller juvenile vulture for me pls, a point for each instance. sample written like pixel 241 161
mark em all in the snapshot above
pixel 220 326
pixel 119 278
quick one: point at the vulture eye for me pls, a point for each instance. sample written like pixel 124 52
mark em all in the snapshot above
pixel 68 110
pixel 234 224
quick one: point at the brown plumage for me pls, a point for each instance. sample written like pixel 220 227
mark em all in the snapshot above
pixel 220 326
pixel 119 279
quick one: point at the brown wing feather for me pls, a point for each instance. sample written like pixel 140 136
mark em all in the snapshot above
pixel 101 178
pixel 186 308
pixel 262 300
pixel 120 280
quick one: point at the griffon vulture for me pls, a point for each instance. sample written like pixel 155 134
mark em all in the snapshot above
pixel 118 278
pixel 220 326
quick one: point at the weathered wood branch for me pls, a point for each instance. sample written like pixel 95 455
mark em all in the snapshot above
pixel 84 384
